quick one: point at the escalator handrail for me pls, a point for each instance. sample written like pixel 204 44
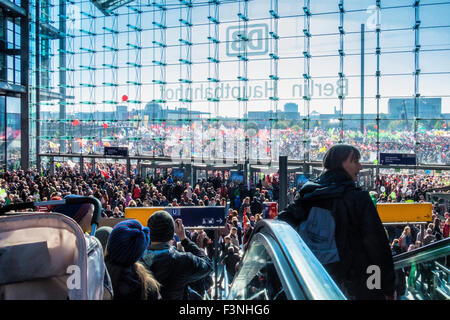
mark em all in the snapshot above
pixel 316 283
pixel 417 255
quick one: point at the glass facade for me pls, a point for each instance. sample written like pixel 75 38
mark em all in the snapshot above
pixel 10 133
pixel 13 82
pixel 13 133
pixel 2 133
pixel 238 79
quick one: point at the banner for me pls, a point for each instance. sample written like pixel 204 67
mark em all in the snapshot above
pixel 270 210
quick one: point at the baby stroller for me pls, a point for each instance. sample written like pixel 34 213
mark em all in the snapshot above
pixel 46 256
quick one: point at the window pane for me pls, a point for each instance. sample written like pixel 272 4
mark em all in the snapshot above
pixel 13 132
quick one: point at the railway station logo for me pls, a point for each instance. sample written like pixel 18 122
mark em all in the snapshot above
pixel 252 40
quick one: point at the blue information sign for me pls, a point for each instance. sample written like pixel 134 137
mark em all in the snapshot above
pixel 178 173
pixel 237 176
pixel 398 158
pixel 199 216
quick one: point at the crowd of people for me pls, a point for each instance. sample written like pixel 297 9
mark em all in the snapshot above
pixel 221 140
pixel 116 191
pixel 110 184
pixel 412 187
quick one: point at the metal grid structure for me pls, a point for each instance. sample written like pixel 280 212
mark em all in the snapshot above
pixel 94 60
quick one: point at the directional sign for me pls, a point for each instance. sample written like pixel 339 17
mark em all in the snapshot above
pixel 191 216
pixel 398 158
pixel 116 151
pixel 200 216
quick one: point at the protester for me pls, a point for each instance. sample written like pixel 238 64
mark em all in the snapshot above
pixel 230 260
pixel 446 228
pixel 173 269
pixel 429 237
pixel 360 237
pixel 406 239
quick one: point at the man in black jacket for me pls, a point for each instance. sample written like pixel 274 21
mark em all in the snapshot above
pixel 173 269
pixel 255 206
pixel 359 234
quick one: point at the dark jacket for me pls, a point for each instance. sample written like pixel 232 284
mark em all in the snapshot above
pixel 174 270
pixel 255 207
pixel 360 237
pixel 230 261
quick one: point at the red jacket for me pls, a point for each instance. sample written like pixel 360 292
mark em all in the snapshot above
pixel 136 192
pixel 446 230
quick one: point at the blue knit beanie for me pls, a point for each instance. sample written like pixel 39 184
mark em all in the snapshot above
pixel 74 211
pixel 127 242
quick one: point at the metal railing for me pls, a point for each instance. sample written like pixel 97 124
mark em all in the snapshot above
pixel 301 274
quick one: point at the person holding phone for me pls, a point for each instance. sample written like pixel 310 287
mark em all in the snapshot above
pixel 173 269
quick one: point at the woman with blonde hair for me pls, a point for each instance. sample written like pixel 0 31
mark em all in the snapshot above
pixel 406 239
pixel 130 279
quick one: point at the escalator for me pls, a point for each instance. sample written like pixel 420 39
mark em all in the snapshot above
pixel 278 265
pixel 423 274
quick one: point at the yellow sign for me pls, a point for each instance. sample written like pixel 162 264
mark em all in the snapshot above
pixel 404 212
pixel 141 214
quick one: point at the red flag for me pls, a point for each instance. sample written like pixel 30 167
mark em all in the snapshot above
pixel 244 220
pixel 104 174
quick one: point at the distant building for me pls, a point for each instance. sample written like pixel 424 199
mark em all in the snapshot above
pixel 260 116
pixel 155 111
pixel 122 113
pixel 428 108
pixel 290 113
pixel 290 107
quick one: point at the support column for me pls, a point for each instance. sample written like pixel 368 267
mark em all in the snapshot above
pixel 188 172
pixel 362 78
pixel 306 169
pixel 52 166
pixel 93 165
pixel 24 78
pixel 37 84
pixel 62 73
pixel 128 167
pixel 282 169
pixel 194 176
pixel 81 166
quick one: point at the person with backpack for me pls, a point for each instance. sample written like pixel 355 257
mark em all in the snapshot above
pixel 340 224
